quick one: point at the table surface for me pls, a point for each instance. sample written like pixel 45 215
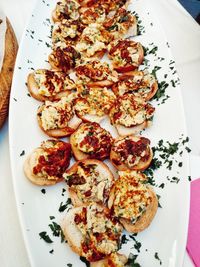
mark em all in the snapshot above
pixel 185 43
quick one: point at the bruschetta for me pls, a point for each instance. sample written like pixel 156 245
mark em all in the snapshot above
pixel 91 141
pixel 94 14
pixel 67 31
pixel 93 41
pixel 122 23
pixel 94 103
pixel 126 55
pixel 140 83
pixel 131 153
pixel 66 9
pixel 89 180
pixel 57 119
pixel 64 58
pixel 50 85
pixel 91 232
pixel 132 201
pixel 131 114
pixel 47 163
pixel 96 73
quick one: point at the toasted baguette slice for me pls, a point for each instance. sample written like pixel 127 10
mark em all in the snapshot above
pixel 125 147
pixel 6 72
pixel 56 130
pixel 123 202
pixel 81 225
pixel 37 172
pixel 145 220
pixel 33 88
pixel 92 186
pixel 105 141
pixel 114 259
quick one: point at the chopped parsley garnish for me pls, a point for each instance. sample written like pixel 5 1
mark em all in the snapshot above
pixel 22 153
pixel 85 261
pixel 45 237
pixel 52 217
pixel 57 231
pixel 66 205
pixel 132 261
pixel 51 251
pixel 157 258
pixel 69 264
pixel 43 191
pixel 137 244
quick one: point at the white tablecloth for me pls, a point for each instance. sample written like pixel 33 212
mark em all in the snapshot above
pixel 183 34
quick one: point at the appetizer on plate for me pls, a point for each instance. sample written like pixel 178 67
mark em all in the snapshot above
pixel 89 180
pixel 94 103
pixel 96 73
pixel 92 14
pixel 66 9
pixel 121 23
pixel 64 58
pixel 131 114
pixel 126 55
pixel 57 119
pixel 131 153
pixel 49 85
pixel 90 140
pixel 67 31
pixel 91 232
pixel 93 41
pixel 47 163
pixel 133 201
pixel 140 83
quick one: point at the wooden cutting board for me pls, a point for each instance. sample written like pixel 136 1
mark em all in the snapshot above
pixel 6 72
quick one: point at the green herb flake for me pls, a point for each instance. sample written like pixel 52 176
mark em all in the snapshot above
pixel 157 258
pixel 51 251
pixel 43 235
pixel 66 205
pixel 56 230
pixel 22 153
pixel 87 263
pixel 132 261
pixel 43 191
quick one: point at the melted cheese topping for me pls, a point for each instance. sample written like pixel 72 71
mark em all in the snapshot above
pixel 51 159
pixel 119 24
pixel 56 114
pixel 67 9
pixel 100 233
pixel 51 83
pixel 90 182
pixel 116 260
pixel 124 52
pixel 66 31
pixel 141 84
pixel 132 197
pixel 92 40
pixel 92 15
pixel 99 100
pixel 96 71
pixel 92 139
pixel 131 150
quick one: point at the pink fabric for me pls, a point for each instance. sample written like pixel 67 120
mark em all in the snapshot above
pixel 193 242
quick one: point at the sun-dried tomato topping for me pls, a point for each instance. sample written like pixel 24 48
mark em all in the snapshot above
pixel 133 148
pixel 56 160
pixel 81 217
pixel 65 58
pixel 99 139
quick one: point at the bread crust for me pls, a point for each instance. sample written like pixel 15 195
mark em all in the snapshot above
pixel 73 195
pixel 35 179
pixel 59 132
pixel 140 166
pixel 6 73
pixel 33 90
pixel 144 220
